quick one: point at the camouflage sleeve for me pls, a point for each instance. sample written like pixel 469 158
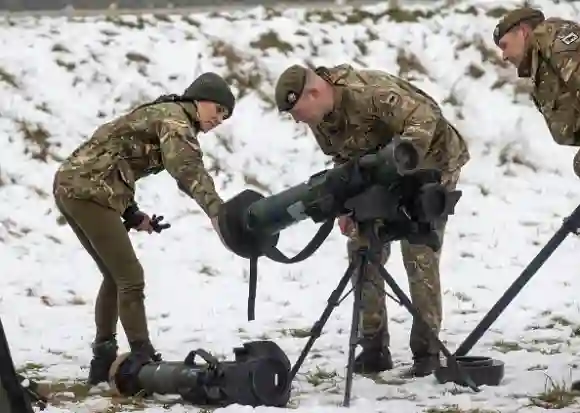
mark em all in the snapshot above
pixel 415 122
pixel 182 158
pixel 560 49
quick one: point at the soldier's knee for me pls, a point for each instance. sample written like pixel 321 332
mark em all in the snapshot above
pixel 576 164
pixel 132 280
pixel 108 284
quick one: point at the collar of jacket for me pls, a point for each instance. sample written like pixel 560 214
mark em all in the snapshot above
pixel 190 110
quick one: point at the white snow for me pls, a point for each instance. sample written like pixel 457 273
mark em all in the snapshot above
pixel 196 290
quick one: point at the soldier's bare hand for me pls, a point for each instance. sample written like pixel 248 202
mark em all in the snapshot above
pixel 346 225
pixel 145 225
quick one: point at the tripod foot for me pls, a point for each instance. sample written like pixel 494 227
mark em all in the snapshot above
pixel 483 371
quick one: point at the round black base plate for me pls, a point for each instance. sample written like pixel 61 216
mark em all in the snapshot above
pixel 482 370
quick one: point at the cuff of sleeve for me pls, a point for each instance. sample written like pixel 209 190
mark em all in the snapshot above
pixel 213 208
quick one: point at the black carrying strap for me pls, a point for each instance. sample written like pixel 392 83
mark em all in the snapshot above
pixel 276 255
pixel 172 98
pixel 205 355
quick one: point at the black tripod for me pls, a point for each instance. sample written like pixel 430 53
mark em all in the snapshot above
pixel 365 255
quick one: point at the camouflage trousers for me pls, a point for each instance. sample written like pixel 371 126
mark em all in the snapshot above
pixel 121 295
pixel 422 268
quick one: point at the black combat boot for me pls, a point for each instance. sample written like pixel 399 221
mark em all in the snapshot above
pixel 423 365
pixel 144 351
pixel 104 354
pixel 374 358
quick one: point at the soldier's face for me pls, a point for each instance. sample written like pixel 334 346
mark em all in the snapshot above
pixel 210 115
pixel 513 46
pixel 308 109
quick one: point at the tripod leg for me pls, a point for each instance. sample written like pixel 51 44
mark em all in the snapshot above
pixel 316 330
pixel 417 316
pixel 354 327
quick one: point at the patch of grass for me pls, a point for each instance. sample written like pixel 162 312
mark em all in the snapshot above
pixel 139 23
pixel 469 10
pixel 243 74
pixel 252 180
pixel 558 319
pixel 452 100
pixel 320 376
pixel 68 66
pixel 8 78
pixel 474 71
pixel 59 48
pixel 137 57
pixel 225 141
pixel 400 15
pixel 30 368
pixel 298 332
pixel 362 46
pixel 537 367
pixel 508 155
pixel 163 17
pixel 207 270
pixel 488 54
pixel 498 84
pixel 391 381
pixel 462 297
pixel 555 396
pixel 506 346
pixel 271 40
pixel 38 137
pixel 408 63
pixel 190 20
pixel 454 408
pixel 497 12
pixel 321 15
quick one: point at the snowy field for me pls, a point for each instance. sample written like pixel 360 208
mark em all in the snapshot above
pixel 61 78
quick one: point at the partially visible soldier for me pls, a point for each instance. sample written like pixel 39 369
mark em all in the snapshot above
pixel 548 52
pixel 351 112
pixel 95 188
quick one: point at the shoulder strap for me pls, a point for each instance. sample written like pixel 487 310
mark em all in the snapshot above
pixel 171 98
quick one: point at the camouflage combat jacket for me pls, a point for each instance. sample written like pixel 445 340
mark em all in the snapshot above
pixel 554 58
pixel 371 107
pixel 145 141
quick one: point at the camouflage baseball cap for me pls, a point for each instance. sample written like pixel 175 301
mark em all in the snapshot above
pixel 289 87
pixel 515 17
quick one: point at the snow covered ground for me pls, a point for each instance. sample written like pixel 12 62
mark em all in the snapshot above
pixel 60 78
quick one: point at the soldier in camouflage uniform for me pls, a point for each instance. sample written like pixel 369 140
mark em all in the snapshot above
pixel 548 52
pixel 351 112
pixel 95 187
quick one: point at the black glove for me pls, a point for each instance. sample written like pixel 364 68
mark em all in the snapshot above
pixel 155 223
pixel 133 217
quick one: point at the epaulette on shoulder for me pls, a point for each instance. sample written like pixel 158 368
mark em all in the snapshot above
pixel 336 75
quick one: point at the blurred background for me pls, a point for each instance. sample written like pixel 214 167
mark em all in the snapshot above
pixel 64 6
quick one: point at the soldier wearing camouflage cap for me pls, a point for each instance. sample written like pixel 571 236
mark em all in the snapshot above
pixel 548 52
pixel 94 189
pixel 351 112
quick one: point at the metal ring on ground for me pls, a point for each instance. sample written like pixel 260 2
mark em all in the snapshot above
pixel 484 371
pixel 113 372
